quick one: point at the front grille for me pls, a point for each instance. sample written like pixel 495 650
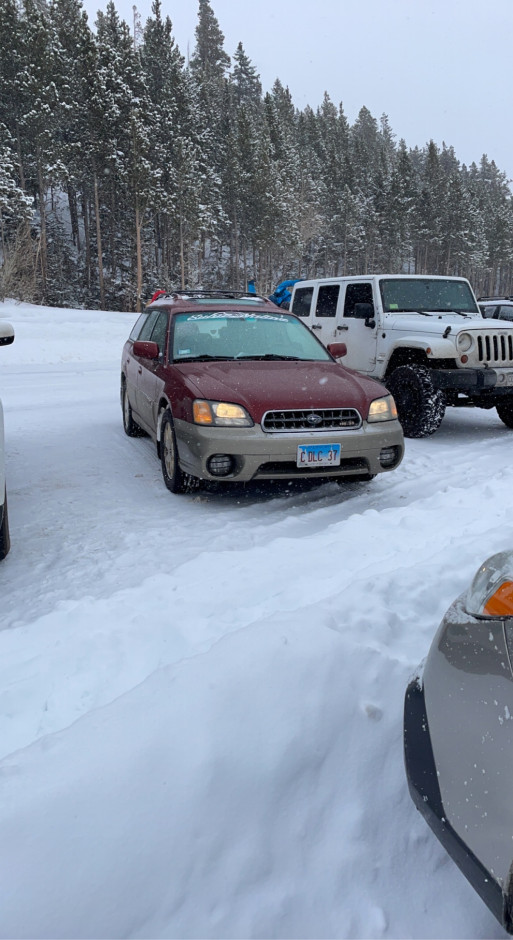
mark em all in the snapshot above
pixel 312 419
pixel 495 348
pixel 278 468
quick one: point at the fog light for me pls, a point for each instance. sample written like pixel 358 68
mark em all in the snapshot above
pixel 220 465
pixel 388 456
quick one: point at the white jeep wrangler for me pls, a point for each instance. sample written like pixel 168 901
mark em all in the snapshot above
pixel 424 337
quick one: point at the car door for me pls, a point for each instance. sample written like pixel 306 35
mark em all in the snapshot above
pixel 357 329
pixel 325 308
pixel 149 378
pixel 302 304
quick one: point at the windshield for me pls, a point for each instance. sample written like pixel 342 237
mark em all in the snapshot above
pixel 433 295
pixel 238 335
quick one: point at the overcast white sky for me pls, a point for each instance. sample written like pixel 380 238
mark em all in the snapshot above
pixel 439 69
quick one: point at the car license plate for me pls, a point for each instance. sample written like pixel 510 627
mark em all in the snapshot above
pixel 318 455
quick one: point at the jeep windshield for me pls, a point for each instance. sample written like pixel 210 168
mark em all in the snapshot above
pixel 241 335
pixel 426 295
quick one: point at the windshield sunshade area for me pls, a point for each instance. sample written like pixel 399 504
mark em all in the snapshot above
pixel 240 335
pixel 426 295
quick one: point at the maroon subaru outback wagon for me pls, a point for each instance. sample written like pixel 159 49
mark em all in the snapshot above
pixel 231 388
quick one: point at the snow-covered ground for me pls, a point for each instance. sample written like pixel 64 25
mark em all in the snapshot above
pixel 201 696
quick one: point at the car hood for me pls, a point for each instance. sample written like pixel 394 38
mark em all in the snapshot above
pixel 269 386
pixel 437 323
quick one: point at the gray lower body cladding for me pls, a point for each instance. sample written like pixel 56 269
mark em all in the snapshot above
pixel 260 455
pixel 458 750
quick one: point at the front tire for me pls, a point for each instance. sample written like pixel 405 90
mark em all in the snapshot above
pixel 5 541
pixel 420 405
pixel 129 425
pixel 174 478
pixel 505 412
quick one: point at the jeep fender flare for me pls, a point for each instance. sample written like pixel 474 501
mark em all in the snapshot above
pixel 413 349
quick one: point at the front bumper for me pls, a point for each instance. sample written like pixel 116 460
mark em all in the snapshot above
pixel 475 382
pixel 261 455
pixel 458 751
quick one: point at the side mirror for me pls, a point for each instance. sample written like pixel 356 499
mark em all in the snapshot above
pixel 146 350
pixel 337 350
pixel 6 334
pixel 363 311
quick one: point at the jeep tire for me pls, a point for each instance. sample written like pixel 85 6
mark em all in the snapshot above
pixel 420 405
pixel 505 412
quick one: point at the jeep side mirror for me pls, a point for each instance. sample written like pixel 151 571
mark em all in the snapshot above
pixel 363 311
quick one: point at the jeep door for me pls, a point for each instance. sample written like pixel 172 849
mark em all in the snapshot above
pixel 317 306
pixel 357 327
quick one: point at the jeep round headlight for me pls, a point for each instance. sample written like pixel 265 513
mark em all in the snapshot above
pixel 382 409
pixel 490 595
pixel 464 342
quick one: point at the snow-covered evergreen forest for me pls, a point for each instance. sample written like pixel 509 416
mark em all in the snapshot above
pixel 124 168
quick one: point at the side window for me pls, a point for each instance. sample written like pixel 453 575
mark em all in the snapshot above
pixel 327 300
pixel 357 294
pixel 148 326
pixel 505 313
pixel 302 301
pixel 138 325
pixel 158 333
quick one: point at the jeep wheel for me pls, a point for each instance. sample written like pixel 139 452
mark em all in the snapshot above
pixel 505 412
pixel 420 405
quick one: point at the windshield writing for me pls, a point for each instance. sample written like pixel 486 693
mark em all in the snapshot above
pixel 242 336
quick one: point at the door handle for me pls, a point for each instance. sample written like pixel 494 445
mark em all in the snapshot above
pixel 317 326
pixel 344 327
pixel 139 370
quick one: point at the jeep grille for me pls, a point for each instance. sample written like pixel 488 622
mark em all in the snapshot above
pixel 312 419
pixel 495 348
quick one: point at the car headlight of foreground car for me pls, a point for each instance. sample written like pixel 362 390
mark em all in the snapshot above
pixel 220 414
pixel 458 735
pixel 382 409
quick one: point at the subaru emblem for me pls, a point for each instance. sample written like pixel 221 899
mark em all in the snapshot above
pixel 314 420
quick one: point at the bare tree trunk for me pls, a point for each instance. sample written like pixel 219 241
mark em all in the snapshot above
pixel 85 217
pixel 20 161
pixel 73 214
pixel 99 242
pixel 138 226
pixel 182 258
pixel 43 240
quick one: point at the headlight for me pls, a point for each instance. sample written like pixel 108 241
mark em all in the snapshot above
pixel 382 409
pixel 464 342
pixel 491 593
pixel 220 414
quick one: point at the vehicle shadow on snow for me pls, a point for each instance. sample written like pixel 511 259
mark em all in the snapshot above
pixel 306 491
pixel 470 424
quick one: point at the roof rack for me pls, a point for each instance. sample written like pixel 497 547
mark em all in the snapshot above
pixel 495 298
pixel 199 294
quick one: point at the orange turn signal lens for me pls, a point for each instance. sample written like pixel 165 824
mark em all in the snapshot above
pixel 202 412
pixel 500 604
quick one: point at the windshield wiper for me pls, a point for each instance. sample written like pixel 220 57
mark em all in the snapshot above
pixel 458 313
pixel 202 358
pixel 274 356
